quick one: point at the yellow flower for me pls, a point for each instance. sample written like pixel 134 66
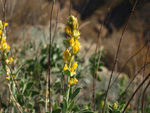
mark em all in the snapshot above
pixel 7 70
pixel 71 42
pixel 8 47
pixel 68 30
pixel 76 34
pixel 4 46
pixel 5 24
pixel 74 66
pixel 102 103
pixel 67 55
pixel 13 76
pixel 3 41
pixel 65 67
pixel 0 32
pixel 11 59
pixel 115 106
pixel 73 81
pixel 7 61
pixel 75 49
pixel 7 78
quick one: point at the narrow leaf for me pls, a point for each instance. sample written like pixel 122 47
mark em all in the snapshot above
pixel 75 93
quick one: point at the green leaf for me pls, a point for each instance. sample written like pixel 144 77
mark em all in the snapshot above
pixel 99 78
pixel 56 111
pixel 34 93
pixel 67 72
pixel 71 105
pixel 30 106
pixel 65 106
pixel 100 69
pixel 86 111
pixel 29 85
pixel 75 93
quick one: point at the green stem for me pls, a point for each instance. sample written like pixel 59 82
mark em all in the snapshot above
pixel 68 90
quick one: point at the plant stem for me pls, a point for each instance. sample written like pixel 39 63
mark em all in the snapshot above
pixel 68 90
pixel 117 53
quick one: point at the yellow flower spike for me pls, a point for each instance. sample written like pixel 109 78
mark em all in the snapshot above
pixel 72 21
pixel 65 67
pixel 7 78
pixel 0 32
pixel 71 42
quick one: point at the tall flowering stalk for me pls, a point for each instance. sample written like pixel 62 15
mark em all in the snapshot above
pixel 4 50
pixel 70 64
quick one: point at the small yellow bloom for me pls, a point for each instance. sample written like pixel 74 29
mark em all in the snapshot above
pixel 76 34
pixel 73 81
pixel 102 103
pixel 67 55
pixel 115 106
pixel 74 66
pixel 13 76
pixel 71 42
pixel 65 67
pixel 68 30
pixel 7 78
pixel 75 49
pixel 4 46
pixel 7 61
pixel 0 32
pixel 5 24
pixel 11 59
pixel 3 41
